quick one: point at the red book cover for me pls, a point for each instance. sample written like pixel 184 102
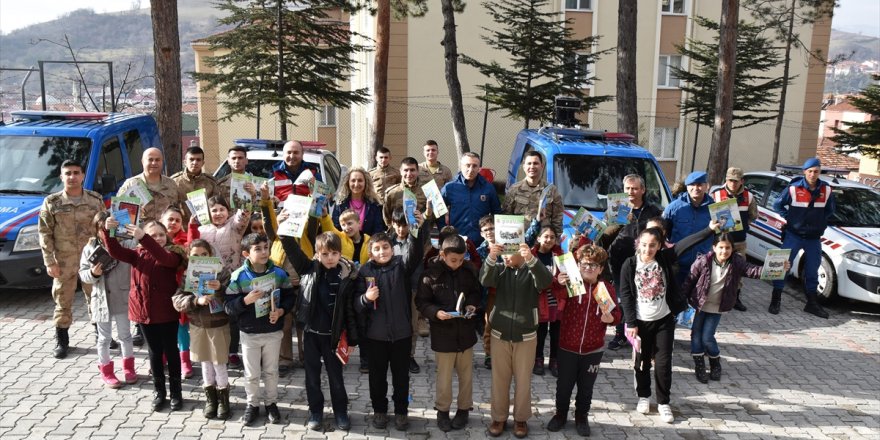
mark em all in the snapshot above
pixel 343 351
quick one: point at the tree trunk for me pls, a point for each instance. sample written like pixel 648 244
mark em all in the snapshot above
pixel 627 111
pixel 777 135
pixel 720 148
pixel 166 52
pixel 380 77
pixel 450 49
pixel 282 110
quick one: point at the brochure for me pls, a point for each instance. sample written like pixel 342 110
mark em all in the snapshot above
pixel 567 264
pixel 140 192
pixel 432 193
pixel 125 210
pixel 544 199
pixel 409 208
pixel 198 266
pixel 198 203
pixel 774 264
pixel 618 209
pixel 726 212
pixel 321 195
pixel 214 305
pixel 239 198
pixel 603 297
pixel 510 231
pixel 298 209
pixel 588 225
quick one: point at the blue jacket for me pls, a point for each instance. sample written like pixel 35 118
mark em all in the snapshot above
pixel 806 211
pixel 684 219
pixel 467 205
pixel 373 221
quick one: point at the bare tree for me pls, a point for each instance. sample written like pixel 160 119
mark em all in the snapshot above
pixel 380 76
pixel 720 149
pixel 450 55
pixel 166 50
pixel 627 102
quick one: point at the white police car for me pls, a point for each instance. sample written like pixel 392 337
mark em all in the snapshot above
pixel 850 265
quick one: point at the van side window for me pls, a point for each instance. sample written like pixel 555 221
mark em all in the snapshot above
pixel 331 167
pixel 110 161
pixel 135 151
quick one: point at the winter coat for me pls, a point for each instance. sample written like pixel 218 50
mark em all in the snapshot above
pixel 622 246
pixel 110 289
pixel 696 286
pixel 343 316
pixel 153 278
pixel 285 179
pixel 226 240
pixel 582 330
pixel 675 299
pixel 467 205
pixel 545 314
pixel 245 314
pixel 684 219
pixel 372 223
pixel 438 290
pixel 347 242
pixel 806 211
pixel 201 316
pixel 515 315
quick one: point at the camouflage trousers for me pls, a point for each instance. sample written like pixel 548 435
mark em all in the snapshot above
pixel 63 290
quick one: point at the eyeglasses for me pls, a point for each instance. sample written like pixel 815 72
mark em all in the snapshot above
pixel 589 266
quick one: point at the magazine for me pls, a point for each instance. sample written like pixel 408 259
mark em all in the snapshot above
pixel 726 213
pixel 603 297
pixel 198 266
pixel 432 193
pixel 298 207
pixel 567 264
pixel 240 198
pixel 774 264
pixel 214 305
pixel 618 209
pixel 198 203
pixel 544 199
pixel 510 232
pixel 587 224
pixel 126 211
pixel 409 208
pixel 321 195
pixel 140 192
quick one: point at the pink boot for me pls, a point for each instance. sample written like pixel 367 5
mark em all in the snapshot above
pixel 108 376
pixel 186 366
pixel 128 368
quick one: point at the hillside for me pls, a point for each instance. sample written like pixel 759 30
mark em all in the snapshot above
pixel 863 48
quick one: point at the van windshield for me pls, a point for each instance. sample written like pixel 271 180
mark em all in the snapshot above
pixel 856 207
pixel 31 164
pixel 585 181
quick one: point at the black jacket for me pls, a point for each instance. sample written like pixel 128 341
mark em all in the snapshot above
pixel 623 245
pixel 438 290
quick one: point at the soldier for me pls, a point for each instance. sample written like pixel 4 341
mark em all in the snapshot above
pixel 237 160
pixel 409 172
pixel 431 168
pixel 65 226
pixel 384 175
pixel 192 177
pixel 523 197
pixel 162 189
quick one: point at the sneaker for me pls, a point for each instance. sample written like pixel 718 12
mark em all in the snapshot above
pixel 644 405
pixel 342 421
pixel 380 420
pixel 582 424
pixel 665 413
pixel 538 369
pixel 235 361
pixel 272 413
pixel 316 418
pixel 554 367
pixel 488 363
pixel 618 342
pixel 414 366
pixel 401 422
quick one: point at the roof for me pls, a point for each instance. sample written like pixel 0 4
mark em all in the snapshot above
pixel 832 159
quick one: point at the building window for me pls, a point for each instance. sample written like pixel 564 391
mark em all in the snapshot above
pixel 582 68
pixel 665 139
pixel 665 76
pixel 580 5
pixel 327 116
pixel 672 6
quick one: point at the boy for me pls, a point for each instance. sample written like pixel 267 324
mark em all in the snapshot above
pixel 401 241
pixel 448 280
pixel 352 240
pixel 487 230
pixel 326 311
pixel 383 300
pixel 260 336
pixel 514 332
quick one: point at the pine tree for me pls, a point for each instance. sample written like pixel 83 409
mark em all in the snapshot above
pixel 545 60
pixel 317 58
pixel 862 137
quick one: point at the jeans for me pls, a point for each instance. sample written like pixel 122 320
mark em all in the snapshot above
pixel 703 334
pixel 812 258
pixel 317 347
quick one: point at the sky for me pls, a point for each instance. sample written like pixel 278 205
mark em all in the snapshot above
pixel 857 16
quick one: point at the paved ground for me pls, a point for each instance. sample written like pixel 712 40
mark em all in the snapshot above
pixel 788 376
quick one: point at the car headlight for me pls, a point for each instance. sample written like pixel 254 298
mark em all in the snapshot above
pixel 28 239
pixel 863 257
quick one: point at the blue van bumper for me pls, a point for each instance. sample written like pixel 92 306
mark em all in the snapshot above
pixel 21 270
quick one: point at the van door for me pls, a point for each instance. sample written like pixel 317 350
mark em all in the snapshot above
pixel 110 163
pixel 134 150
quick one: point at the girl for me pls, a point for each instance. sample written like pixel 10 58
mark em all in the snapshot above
pixel 548 316
pixel 210 335
pixel 712 290
pixel 110 282
pixel 356 193
pixel 256 226
pixel 153 282
pixel 172 218
pixel 581 344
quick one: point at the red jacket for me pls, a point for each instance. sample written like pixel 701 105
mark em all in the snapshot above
pixel 582 330
pixel 545 312
pixel 153 279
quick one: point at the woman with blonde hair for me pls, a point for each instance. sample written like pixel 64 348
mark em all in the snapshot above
pixel 356 193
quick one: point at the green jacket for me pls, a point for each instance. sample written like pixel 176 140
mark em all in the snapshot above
pixel 515 315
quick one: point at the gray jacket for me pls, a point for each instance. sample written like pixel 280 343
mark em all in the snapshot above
pixel 110 290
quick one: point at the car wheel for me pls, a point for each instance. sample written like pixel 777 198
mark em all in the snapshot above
pixel 827 287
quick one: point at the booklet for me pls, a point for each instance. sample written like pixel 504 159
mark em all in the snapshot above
pixel 343 350
pixel 259 181
pixel 774 264
pixel 239 198
pixel 587 224
pixel 432 193
pixel 460 309
pixel 544 199
pixel 510 231
pixel 126 211
pixel 618 209
pixel 321 195
pixel 265 284
pixel 726 212
pixel 298 207
pixel 567 264
pixel 198 266
pixel 603 297
pixel 198 203
pixel 140 192
pixel 267 303
pixel 214 305
pixel 409 208
pixel 100 256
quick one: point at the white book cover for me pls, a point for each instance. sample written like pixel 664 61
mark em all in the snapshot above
pixel 774 264
pixel 510 231
pixel 432 193
pixel 298 209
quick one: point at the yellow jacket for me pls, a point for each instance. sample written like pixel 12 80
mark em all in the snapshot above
pixel 347 243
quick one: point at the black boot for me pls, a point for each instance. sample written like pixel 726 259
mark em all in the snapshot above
pixel 443 421
pixel 137 339
pixel 223 403
pixel 700 368
pixel 814 308
pixel 176 392
pixel 581 424
pixel 715 367
pixel 211 402
pixel 62 343
pixel 739 305
pixel 558 421
pixel 159 399
pixel 775 299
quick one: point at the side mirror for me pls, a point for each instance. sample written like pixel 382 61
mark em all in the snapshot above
pixel 108 184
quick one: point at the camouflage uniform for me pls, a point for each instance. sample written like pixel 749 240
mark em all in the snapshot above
pixel 187 183
pixel 442 176
pixel 65 227
pixel 394 199
pixel 165 194
pixel 523 199
pixel 384 179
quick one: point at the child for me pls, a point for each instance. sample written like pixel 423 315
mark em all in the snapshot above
pixel 352 240
pixel 153 281
pixel 110 285
pixel 487 231
pixel 260 336
pixel 712 289
pixel 210 335
pixel 514 321
pixel 548 313
pixel 325 308
pixel 582 340
pixel 650 298
pixel 256 226
pixel 382 299
pixel 447 280
pixel 172 218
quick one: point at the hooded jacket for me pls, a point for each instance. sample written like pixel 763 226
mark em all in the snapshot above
pixel 467 205
pixel 515 315
pixel 582 330
pixel 439 289
pixel 806 211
